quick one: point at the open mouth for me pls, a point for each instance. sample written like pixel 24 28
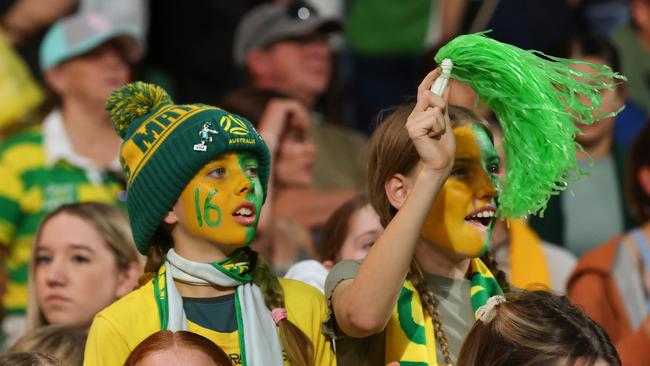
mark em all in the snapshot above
pixel 244 214
pixel 482 217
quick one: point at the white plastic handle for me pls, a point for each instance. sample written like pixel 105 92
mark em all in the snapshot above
pixel 440 84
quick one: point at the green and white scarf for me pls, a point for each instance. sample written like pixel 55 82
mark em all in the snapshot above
pixel 258 336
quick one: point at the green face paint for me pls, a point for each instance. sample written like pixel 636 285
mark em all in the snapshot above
pixel 248 163
pixel 226 196
pixel 489 156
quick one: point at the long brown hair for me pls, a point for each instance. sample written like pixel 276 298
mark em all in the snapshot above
pixel 298 346
pixel 536 328
pixel 112 225
pixel 392 152
pixel 165 340
pixel 337 226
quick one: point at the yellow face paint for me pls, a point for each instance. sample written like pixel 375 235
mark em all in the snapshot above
pixel 464 209
pixel 222 202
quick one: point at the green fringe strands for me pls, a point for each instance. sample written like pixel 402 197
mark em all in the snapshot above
pixel 536 98
pixel 133 101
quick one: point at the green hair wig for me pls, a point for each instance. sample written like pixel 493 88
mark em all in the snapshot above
pixel 536 98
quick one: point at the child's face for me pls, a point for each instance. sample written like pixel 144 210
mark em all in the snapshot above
pixel 222 203
pixel 461 215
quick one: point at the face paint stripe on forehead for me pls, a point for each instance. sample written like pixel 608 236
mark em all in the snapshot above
pixel 488 153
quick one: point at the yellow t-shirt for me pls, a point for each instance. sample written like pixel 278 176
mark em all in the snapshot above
pixel 118 329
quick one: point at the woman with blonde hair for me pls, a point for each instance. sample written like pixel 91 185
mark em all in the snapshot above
pixel 78 247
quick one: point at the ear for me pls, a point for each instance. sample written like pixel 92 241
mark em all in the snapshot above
pixel 397 189
pixel 643 175
pixel 55 78
pixel 128 279
pixel 171 218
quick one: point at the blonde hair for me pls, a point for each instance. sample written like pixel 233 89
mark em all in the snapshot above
pixel 391 152
pixel 112 225
pixel 63 342
pixel 536 328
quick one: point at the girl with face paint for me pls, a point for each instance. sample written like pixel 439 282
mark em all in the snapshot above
pixel 432 180
pixel 197 177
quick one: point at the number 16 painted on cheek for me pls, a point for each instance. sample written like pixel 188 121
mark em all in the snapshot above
pixel 204 214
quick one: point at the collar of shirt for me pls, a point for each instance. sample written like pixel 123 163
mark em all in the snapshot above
pixel 58 147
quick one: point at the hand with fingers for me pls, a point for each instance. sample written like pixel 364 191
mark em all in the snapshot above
pixel 279 116
pixel 429 127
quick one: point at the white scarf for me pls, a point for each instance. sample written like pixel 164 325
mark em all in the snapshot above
pixel 256 327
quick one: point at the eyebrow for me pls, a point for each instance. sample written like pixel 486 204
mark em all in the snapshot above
pixel 83 247
pixel 376 231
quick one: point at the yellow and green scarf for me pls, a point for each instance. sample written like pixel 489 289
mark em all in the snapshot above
pixel 410 335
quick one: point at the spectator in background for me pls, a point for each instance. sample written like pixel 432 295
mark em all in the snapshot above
pixel 177 348
pixel 73 156
pixel 612 282
pixel 582 217
pixel 284 48
pixel 348 234
pixel 79 246
pixel 62 342
pixel 284 232
pixel 633 43
pixel 535 328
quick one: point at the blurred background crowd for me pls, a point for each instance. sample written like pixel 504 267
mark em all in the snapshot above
pixel 313 77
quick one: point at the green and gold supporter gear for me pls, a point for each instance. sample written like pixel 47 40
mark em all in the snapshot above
pixel 118 329
pixel 29 189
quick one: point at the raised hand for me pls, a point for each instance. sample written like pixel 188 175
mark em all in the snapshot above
pixel 429 127
pixel 280 115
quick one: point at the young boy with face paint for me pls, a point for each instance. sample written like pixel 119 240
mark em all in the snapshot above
pixel 196 179
pixel 434 187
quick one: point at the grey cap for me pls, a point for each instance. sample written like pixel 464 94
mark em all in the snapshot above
pixel 273 22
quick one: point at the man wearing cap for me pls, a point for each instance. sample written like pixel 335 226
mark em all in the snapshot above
pixel 285 48
pixel 73 155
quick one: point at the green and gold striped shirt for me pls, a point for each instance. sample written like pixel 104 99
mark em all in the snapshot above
pixel 30 187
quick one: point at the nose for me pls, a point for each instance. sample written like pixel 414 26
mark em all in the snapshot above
pixel 55 273
pixel 320 47
pixel 484 188
pixel 244 187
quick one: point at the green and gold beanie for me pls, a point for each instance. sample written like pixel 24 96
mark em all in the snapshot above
pixel 165 145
